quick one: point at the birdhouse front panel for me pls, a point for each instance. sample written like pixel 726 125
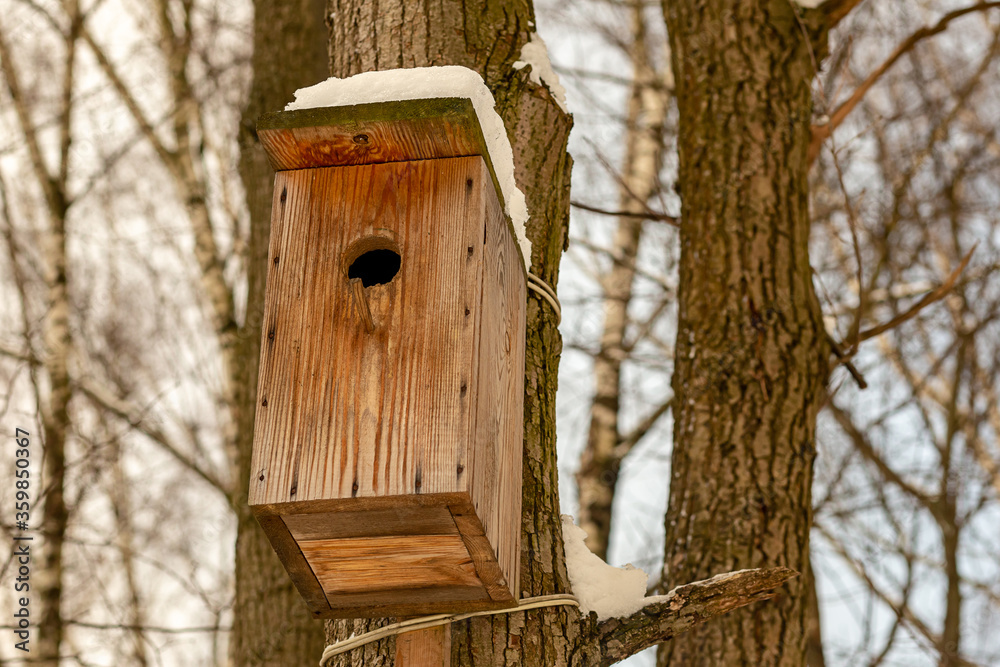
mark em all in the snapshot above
pixel 387 448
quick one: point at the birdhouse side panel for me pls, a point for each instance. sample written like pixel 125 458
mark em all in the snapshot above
pixel 499 413
pixel 275 457
pixel 348 411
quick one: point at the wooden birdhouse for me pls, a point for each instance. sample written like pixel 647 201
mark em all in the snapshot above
pixel 387 448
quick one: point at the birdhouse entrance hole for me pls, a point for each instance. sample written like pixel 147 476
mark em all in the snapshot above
pixel 375 260
pixel 375 267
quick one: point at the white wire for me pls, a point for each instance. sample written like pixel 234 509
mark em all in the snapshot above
pixel 440 619
pixel 543 289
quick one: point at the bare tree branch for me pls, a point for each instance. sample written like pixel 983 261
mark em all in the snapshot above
pixel 821 132
pixel 20 284
pixel 18 354
pixel 867 450
pixel 133 415
pixel 53 196
pixel 166 155
pixel 65 117
pixel 645 215
pixel 142 628
pixel 632 438
pixel 685 607
pixel 929 298
pixel 844 359
pixel 900 609
pixel 615 256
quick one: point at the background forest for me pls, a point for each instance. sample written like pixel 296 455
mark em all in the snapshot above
pixel 124 230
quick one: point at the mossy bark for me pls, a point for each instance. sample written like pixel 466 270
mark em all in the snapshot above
pixel 751 353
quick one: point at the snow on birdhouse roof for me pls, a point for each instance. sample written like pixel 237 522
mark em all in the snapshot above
pixel 424 83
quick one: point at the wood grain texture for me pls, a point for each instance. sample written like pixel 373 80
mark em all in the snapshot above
pixel 299 571
pixel 485 556
pixel 426 406
pixel 397 131
pixel 372 523
pixel 496 487
pixel 417 602
pixel 430 647
pixel 360 504
pixel 346 413
pixel 371 564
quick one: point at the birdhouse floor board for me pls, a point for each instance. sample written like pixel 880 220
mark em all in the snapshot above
pixel 373 564
pixel 386 553
pixel 295 564
pixel 418 602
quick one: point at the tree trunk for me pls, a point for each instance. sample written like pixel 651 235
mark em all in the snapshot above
pixel 55 425
pixel 487 37
pixel 121 506
pixel 49 488
pixel 271 625
pixel 751 353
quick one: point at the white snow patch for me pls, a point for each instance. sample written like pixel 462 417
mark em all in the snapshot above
pixel 609 591
pixel 535 54
pixel 432 82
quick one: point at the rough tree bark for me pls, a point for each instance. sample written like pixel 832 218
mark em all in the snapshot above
pixel 751 353
pixel 271 625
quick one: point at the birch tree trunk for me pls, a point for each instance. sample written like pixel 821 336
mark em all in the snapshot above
pixel 751 353
pixel 606 445
pixel 271 625
pixel 49 489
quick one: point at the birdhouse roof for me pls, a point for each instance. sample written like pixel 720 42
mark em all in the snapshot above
pixel 397 116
